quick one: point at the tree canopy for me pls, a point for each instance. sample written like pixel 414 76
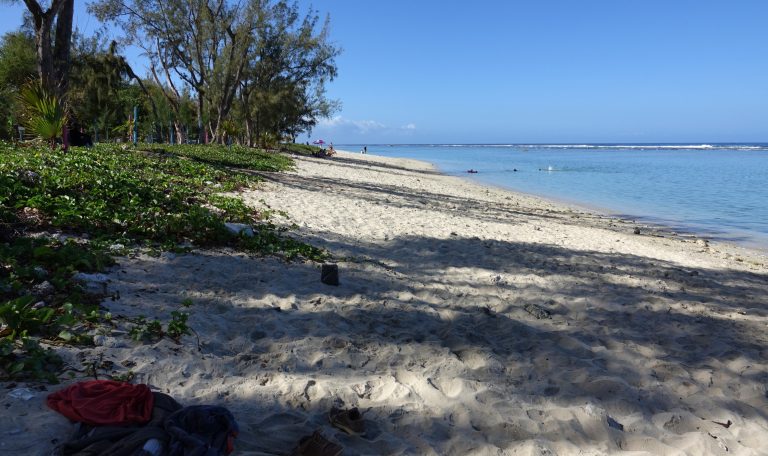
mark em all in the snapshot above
pixel 255 68
pixel 252 72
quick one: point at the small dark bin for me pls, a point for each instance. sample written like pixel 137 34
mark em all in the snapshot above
pixel 329 274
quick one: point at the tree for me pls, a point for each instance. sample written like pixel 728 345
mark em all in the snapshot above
pixel 258 57
pixel 17 66
pixel 53 52
pixel 17 59
pixel 282 91
pixel 100 74
pixel 202 42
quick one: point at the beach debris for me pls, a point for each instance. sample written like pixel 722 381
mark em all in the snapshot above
pixel 31 215
pixel 117 247
pixel 615 424
pixel 539 312
pixel 329 274
pixel 637 230
pixel 153 447
pixel 363 391
pixel 349 421
pixel 94 283
pixel 317 445
pixel 239 228
pixel 24 394
pixel 498 280
pixel 43 289
pixel 29 177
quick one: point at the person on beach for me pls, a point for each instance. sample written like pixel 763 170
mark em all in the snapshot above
pixel 330 150
pixel 365 149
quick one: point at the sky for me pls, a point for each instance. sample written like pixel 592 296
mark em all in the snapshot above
pixel 539 71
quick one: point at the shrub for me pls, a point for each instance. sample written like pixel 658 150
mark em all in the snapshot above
pixel 42 113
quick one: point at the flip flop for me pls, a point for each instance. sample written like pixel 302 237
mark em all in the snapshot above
pixel 317 445
pixel 349 421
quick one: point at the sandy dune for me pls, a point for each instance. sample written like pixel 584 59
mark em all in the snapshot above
pixel 649 344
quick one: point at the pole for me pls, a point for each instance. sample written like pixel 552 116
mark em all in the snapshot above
pixel 135 124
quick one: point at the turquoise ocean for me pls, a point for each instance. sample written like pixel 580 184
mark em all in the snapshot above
pixel 719 191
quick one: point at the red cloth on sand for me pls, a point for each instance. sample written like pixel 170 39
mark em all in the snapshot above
pixel 104 402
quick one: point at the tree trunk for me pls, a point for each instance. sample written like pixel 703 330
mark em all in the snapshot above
pixel 200 128
pixel 44 54
pixel 61 54
pixel 179 132
pixel 50 67
pixel 249 131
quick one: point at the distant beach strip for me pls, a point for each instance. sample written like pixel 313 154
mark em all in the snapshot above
pixel 713 190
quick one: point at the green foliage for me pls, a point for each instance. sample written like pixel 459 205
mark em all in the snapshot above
pixel 257 68
pixel 234 156
pixel 164 196
pixel 159 197
pixel 38 298
pixel 177 327
pixel 25 266
pixel 126 377
pixel 18 62
pixel 17 66
pixel 150 331
pixel 22 318
pixel 145 330
pixel 27 360
pixel 300 149
pixel 97 81
pixel 43 114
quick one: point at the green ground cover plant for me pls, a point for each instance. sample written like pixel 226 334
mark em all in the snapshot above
pixel 299 149
pixel 234 156
pixel 152 330
pixel 109 197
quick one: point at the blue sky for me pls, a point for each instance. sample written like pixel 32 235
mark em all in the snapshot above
pixel 432 71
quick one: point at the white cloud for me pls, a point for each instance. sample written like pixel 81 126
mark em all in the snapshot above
pixel 362 126
pixel 342 130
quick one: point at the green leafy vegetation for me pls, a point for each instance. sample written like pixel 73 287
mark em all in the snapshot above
pixel 111 197
pixel 164 198
pixel 234 156
pixel 152 330
pixel 299 149
pixel 39 300
pixel 42 113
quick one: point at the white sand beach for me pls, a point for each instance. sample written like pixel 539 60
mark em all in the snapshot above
pixel 647 344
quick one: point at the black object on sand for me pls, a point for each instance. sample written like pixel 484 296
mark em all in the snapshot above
pixel 329 274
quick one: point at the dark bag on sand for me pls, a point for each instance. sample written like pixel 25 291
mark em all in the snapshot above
pixel 122 440
pixel 201 430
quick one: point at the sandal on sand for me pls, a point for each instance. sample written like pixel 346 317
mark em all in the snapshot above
pixel 317 445
pixel 349 421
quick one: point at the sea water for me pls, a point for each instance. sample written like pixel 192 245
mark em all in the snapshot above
pixel 718 191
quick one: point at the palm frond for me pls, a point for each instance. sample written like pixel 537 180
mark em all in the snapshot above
pixel 42 113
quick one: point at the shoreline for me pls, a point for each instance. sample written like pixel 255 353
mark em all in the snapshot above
pixel 468 320
pixel 738 234
pixel 647 224
pixel 651 223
